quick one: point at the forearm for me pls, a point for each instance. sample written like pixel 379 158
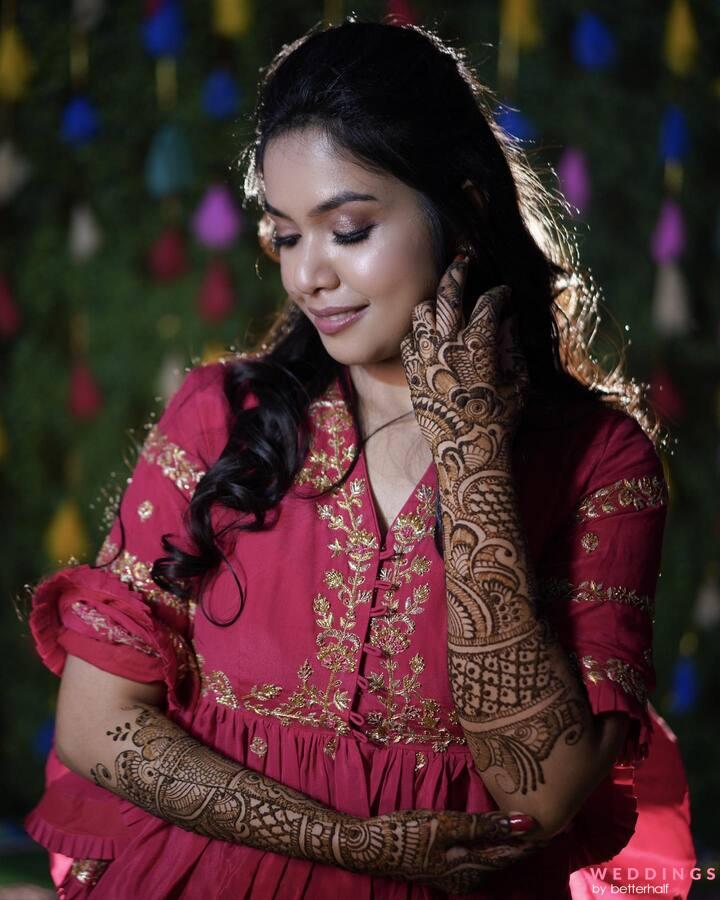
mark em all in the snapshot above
pixel 141 755
pixel 525 715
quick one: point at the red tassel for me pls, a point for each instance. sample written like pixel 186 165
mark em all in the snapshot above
pixel 664 397
pixel 85 397
pixel 167 258
pixel 216 298
pixel 9 311
pixel 401 12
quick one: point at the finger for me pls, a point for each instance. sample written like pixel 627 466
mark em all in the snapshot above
pixel 448 309
pixel 487 312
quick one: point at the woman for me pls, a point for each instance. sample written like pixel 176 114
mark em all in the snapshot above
pixel 375 611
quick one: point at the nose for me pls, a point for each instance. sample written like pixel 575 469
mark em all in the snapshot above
pixel 314 269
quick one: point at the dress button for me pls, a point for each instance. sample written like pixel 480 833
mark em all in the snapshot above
pixel 362 682
pixel 356 718
pixel 379 610
pixel 386 552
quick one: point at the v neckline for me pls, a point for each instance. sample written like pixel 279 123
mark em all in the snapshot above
pixel 380 531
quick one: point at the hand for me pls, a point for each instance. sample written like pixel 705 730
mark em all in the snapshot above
pixel 468 384
pixel 453 851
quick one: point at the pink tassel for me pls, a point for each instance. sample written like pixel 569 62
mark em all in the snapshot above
pixel 167 258
pixel 217 221
pixel 574 178
pixel 664 397
pixel 9 311
pixel 668 240
pixel 216 298
pixel 402 12
pixel 85 397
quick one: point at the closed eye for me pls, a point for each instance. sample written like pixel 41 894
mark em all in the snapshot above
pixel 348 237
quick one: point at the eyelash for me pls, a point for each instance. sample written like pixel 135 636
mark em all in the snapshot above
pixel 353 237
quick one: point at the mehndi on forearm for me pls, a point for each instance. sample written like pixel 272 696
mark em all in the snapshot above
pixel 516 694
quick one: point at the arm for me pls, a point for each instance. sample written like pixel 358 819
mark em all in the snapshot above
pixel 527 721
pixel 111 730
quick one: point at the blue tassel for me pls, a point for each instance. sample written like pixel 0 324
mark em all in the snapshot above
pixel 79 121
pixel 43 737
pixel 683 696
pixel 593 45
pixel 221 95
pixel 163 33
pixel 674 137
pixel 515 124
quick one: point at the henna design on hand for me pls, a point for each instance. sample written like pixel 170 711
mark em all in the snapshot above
pixel 170 774
pixel 513 687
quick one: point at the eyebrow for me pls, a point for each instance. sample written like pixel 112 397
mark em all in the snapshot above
pixel 332 203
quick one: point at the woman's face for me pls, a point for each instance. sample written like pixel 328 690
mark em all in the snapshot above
pixel 369 260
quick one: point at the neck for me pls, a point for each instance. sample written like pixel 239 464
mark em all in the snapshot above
pixel 382 392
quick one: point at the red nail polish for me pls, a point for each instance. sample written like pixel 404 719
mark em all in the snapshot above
pixel 520 824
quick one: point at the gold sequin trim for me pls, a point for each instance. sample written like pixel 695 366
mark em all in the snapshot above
pixel 590 541
pixel 145 510
pixel 172 459
pixel 629 679
pixel 323 467
pixel 218 683
pixel 136 573
pixel 560 589
pixel 109 629
pixel 420 760
pixel 258 746
pixel 88 871
pixel 647 491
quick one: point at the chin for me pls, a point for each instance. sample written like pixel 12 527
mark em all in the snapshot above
pixel 357 353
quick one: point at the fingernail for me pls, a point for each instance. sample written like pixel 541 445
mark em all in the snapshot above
pixel 520 824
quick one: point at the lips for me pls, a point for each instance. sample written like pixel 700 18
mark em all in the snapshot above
pixel 335 310
pixel 332 319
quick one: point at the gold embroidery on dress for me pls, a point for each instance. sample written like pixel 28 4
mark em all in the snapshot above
pixel 217 682
pixel 647 491
pixel 88 871
pixel 112 631
pixel 328 413
pixel 172 459
pixel 145 510
pixel 407 716
pixel 560 589
pixel 590 541
pixel 622 673
pixel 136 573
pixel 258 746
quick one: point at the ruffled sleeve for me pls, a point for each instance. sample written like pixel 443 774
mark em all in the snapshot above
pixel 112 613
pixel 598 574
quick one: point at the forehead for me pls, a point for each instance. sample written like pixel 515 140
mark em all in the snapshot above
pixel 302 168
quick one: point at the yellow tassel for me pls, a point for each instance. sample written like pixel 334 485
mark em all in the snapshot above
pixel 66 536
pixel 681 40
pixel 519 23
pixel 212 352
pixel 231 18
pixel 16 65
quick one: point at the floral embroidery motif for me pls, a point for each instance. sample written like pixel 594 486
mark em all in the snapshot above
pixel 590 541
pixel 218 683
pixel 560 589
pixel 145 510
pixel 109 629
pixel 88 871
pixel 406 715
pixel 136 573
pixel 329 414
pixel 646 491
pixel 622 673
pixel 258 746
pixel 420 760
pixel 172 459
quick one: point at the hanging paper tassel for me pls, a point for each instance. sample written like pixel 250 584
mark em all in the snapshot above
pixel 664 397
pixel 87 14
pixel 9 311
pixel 15 171
pixel 574 178
pixel 668 238
pixel 79 122
pixel 671 314
pixel 167 257
pixel 66 537
pixel 231 18
pixel 217 221
pixel 681 39
pixel 171 375
pixel 707 605
pixel 684 691
pixel 674 136
pixel 163 32
pixel 16 65
pixel 212 352
pixel 593 44
pixel 85 399
pixel 85 233
pixel 168 168
pixel 519 23
pixel 216 298
pixel 515 123
pixel 401 12
pixel 221 95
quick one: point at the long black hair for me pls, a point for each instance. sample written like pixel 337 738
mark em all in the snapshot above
pixel 395 99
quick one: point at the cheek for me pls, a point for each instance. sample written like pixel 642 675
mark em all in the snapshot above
pixel 396 271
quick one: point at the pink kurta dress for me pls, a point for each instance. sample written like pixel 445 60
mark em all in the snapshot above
pixel 333 679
